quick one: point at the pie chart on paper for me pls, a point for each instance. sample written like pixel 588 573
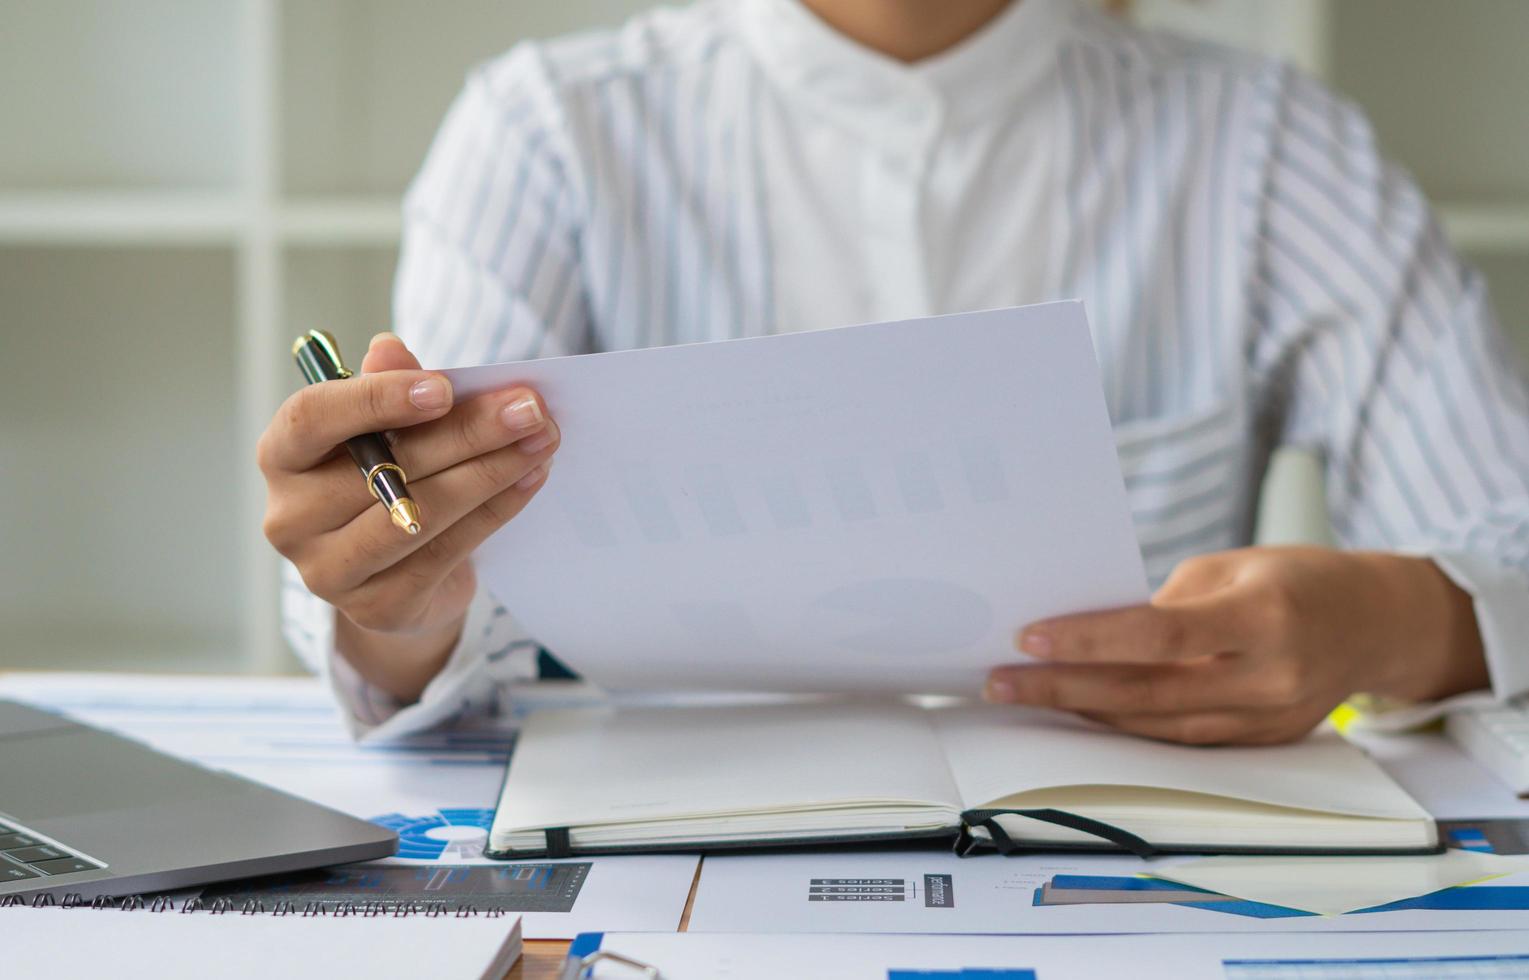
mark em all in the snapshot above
pixel 455 833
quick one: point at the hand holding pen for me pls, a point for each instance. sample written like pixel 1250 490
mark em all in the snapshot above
pixel 318 357
pixel 469 467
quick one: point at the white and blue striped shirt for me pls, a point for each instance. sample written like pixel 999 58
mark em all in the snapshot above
pixel 1255 274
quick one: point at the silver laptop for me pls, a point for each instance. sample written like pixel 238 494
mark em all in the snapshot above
pixel 88 813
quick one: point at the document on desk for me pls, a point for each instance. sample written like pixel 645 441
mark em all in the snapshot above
pixel 1419 956
pixel 910 891
pixel 1438 774
pixel 871 508
pixel 86 942
pixel 437 789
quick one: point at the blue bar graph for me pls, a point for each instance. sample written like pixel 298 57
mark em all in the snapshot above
pixel 965 973
pixel 1505 967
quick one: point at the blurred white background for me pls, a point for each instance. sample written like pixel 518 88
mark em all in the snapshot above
pixel 187 184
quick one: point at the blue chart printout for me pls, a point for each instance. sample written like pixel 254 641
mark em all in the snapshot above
pixel 518 887
pixel 458 830
pixel 435 789
pixel 962 974
pixel 1508 967
pixel 938 891
pixel 1118 890
pixel 1461 955
pixel 930 891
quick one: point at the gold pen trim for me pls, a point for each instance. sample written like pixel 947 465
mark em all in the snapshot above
pixel 371 475
pixel 405 514
pixel 331 347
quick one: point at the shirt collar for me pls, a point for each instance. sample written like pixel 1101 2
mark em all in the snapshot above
pixel 890 101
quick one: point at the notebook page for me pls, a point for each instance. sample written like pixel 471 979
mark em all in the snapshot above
pixel 996 752
pixel 867 509
pixel 604 765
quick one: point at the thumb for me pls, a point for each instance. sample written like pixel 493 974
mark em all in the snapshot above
pixel 388 353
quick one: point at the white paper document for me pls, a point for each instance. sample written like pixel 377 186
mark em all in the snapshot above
pixel 84 942
pixel 1433 769
pixel 937 892
pixel 1420 956
pixel 436 789
pixel 871 508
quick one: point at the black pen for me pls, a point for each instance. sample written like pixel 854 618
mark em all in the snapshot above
pixel 318 356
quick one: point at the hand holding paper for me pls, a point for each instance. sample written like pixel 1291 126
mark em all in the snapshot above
pixel 873 508
pixel 1256 646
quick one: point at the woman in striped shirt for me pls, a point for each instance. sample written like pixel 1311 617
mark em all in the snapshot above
pixel 1256 275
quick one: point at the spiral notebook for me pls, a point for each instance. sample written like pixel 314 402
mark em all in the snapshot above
pixel 608 780
pixel 81 941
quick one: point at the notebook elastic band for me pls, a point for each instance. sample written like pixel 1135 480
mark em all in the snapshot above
pixel 988 820
pixel 558 845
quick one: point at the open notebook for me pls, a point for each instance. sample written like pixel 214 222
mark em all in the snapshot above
pixel 601 780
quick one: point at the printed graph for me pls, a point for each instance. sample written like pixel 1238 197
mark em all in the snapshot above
pixel 530 887
pixel 967 973
pixel 938 890
pixel 860 890
pixel 1112 890
pixel 453 833
pixel 1512 967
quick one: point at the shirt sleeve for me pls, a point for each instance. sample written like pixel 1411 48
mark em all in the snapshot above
pixel 489 270
pixel 1374 345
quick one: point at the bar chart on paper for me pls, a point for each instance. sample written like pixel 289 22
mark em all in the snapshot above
pixel 960 974
pixel 1510 967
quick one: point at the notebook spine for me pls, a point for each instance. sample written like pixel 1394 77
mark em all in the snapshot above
pixel 225 906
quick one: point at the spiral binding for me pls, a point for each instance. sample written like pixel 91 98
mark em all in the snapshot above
pixel 377 908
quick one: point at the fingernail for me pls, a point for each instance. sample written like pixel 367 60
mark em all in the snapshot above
pixel 532 478
pixel 1035 643
pixel 998 692
pixel 522 415
pixel 430 394
pixel 536 442
pixel 385 335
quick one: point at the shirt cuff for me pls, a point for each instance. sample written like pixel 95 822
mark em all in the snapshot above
pixel 1500 599
pixel 490 655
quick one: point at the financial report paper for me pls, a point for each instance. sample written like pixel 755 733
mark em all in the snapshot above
pixel 869 508
pixel 1356 956
pixel 912 891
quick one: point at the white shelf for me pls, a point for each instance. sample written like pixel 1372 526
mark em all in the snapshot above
pixel 145 218
pixel 1477 227
pixel 156 218
pixel 219 174
pixel 361 221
